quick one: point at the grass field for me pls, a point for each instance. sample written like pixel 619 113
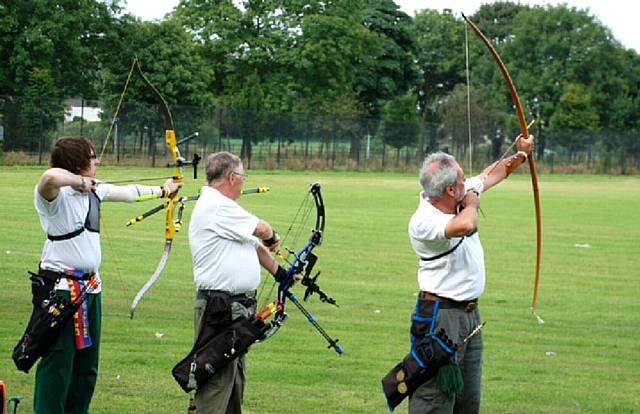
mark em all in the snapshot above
pixel 584 359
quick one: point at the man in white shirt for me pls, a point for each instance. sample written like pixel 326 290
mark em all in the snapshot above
pixel 451 273
pixel 228 246
pixel 67 199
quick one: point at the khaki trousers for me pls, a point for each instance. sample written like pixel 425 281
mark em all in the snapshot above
pixel 223 393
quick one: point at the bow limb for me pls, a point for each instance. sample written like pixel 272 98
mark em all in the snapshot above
pixel 532 163
pixel 171 227
pixel 153 278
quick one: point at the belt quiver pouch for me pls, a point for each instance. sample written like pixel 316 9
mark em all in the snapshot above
pixel 42 287
pixel 45 326
pixel 427 356
pixel 219 341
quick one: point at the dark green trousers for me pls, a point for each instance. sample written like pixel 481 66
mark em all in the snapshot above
pixel 66 377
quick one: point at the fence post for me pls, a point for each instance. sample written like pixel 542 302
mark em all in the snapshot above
pixel 41 136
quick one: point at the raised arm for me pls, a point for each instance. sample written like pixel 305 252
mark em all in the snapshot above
pixel 55 178
pixel 501 169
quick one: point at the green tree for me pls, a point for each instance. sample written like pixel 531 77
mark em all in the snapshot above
pixel 487 121
pixel 243 46
pixel 441 61
pixel 497 22
pixel 331 47
pixel 58 36
pixel 392 71
pixel 170 60
pixel 574 117
pixel 555 46
pixel 49 51
pixel 440 56
pixel 400 123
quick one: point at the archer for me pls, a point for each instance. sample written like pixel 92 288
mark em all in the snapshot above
pixel 451 276
pixel 67 285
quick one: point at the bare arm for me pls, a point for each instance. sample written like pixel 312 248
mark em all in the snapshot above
pixel 499 170
pixel 465 222
pixel 55 178
pixel 268 235
pixel 266 260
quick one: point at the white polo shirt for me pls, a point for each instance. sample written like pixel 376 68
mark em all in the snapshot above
pixel 63 215
pixel 459 275
pixel 222 243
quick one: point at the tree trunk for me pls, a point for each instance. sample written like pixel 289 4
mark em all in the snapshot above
pixel 141 141
pixel 354 149
pixel 245 152
pixel 384 150
pixel 540 143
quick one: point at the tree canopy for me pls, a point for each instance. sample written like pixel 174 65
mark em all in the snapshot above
pixel 362 58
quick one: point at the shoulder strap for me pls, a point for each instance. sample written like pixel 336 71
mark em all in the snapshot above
pixel 427 259
pixel 65 236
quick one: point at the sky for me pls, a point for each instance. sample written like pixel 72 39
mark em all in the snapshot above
pixel 618 15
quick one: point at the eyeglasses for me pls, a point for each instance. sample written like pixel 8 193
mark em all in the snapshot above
pixel 242 175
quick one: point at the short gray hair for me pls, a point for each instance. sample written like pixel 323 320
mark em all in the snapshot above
pixel 219 164
pixel 436 179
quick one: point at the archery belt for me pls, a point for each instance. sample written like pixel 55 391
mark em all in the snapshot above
pixel 219 342
pixel 430 351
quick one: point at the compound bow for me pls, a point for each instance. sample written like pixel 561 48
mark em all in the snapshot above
pixel 303 263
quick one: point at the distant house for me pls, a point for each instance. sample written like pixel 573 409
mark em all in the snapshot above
pixel 90 113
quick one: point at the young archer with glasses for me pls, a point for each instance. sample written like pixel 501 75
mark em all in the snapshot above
pixel 67 199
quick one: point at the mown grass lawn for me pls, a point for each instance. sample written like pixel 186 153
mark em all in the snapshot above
pixel 585 358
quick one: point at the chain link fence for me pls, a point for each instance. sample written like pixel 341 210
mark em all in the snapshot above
pixel 29 126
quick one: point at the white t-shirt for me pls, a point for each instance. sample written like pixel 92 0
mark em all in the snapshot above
pixel 459 275
pixel 63 215
pixel 222 244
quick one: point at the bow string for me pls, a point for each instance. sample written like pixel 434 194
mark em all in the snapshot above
pixel 532 164
pixel 301 262
pixel 174 204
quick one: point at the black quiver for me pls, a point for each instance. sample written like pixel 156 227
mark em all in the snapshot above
pixel 219 342
pixel 43 329
pixel 427 356
pixel 49 316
